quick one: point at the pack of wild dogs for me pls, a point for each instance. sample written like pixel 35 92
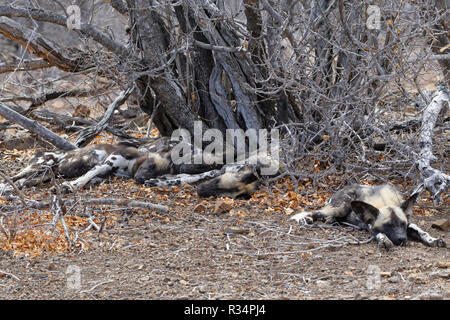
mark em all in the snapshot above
pixel 378 209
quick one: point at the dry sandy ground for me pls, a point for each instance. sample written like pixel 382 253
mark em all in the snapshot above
pixel 260 255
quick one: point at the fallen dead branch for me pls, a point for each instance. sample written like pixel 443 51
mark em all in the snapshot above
pixel 67 122
pixel 38 45
pixel 25 65
pixel 88 134
pixel 434 180
pixel 94 287
pixel 10 275
pixel 35 127
pixel 129 203
pixel 126 203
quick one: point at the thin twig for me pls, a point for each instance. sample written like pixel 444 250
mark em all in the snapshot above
pixel 10 274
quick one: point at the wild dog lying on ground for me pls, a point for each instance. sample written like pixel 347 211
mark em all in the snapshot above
pixel 151 165
pixel 380 209
pixel 97 160
pixel 235 180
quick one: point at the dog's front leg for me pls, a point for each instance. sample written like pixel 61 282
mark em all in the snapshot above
pixel 416 234
pixel 383 241
pixel 27 171
pixel 98 170
pixel 180 179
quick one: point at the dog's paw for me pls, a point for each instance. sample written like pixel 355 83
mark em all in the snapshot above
pixel 439 243
pixel 152 182
pixel 67 187
pixel 384 242
pixel 303 217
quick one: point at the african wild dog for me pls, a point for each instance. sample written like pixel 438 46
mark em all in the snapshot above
pixel 97 160
pixel 236 180
pixel 151 165
pixel 380 209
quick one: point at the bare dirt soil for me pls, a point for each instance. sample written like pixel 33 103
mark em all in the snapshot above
pixel 259 254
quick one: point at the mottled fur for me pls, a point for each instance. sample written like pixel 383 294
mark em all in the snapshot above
pixel 240 183
pixel 380 209
pixel 97 160
pixel 149 164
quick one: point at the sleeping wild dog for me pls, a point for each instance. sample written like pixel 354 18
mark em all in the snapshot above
pixel 97 160
pixel 379 209
pixel 151 165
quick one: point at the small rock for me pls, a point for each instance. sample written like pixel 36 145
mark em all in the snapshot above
pixel 200 208
pixel 441 224
pixel 441 274
pixel 358 296
pixel 417 278
pixel 322 283
pixel 386 274
pixel 152 244
pixel 429 295
pixel 51 266
pixel 222 207
pixel 443 264
pixel 394 279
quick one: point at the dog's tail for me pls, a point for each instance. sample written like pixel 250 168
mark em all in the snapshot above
pixel 230 184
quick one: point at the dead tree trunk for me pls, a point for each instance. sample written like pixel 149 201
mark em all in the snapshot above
pixel 216 54
pixel 313 65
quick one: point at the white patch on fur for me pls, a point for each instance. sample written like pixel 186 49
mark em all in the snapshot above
pixel 161 162
pixel 181 178
pixel 121 165
pixel 228 179
pixel 232 168
pixel 304 217
pixel 386 196
pixel 425 236
pixel 100 154
pixel 84 179
pixel 57 156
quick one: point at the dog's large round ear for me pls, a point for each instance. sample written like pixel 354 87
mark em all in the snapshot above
pixel 408 204
pixel 365 211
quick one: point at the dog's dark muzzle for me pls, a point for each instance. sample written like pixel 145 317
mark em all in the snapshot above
pixel 399 241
